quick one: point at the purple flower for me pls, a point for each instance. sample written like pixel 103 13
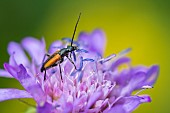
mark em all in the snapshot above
pixel 98 84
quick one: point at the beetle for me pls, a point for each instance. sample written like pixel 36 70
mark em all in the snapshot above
pixel 58 57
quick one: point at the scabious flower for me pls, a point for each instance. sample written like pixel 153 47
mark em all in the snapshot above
pixel 98 84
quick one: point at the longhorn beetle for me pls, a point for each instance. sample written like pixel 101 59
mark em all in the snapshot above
pixel 58 57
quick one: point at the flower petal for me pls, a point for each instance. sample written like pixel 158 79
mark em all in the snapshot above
pixel 12 60
pixel 46 108
pixel 132 102
pixel 79 102
pixel 8 94
pixel 128 104
pixel 27 82
pixel 57 45
pixel 152 75
pixel 35 48
pixel 99 36
pixel 83 38
pixel 19 54
pixel 4 73
pixel 134 83
pixel 68 107
pixel 115 109
pixel 144 98
pixel 95 41
pixel 119 62
pixel 144 77
pixel 12 70
pixel 93 98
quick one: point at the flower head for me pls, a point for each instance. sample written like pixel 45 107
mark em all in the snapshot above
pixel 98 84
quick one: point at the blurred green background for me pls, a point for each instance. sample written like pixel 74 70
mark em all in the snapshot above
pixel 143 25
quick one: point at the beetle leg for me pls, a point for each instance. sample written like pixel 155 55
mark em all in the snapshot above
pixel 70 55
pixel 72 62
pixel 54 64
pixel 45 56
pixel 73 54
pixel 45 75
pixel 46 72
pixel 58 63
pixel 60 72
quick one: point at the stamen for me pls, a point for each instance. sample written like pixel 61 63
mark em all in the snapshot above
pixel 53 71
pixel 82 50
pixel 57 105
pixel 74 56
pixel 144 88
pixel 109 105
pixel 80 76
pixel 81 64
pixel 89 77
pixel 147 87
pixel 73 73
pixel 69 79
pixel 103 60
pixel 88 59
pixel 124 52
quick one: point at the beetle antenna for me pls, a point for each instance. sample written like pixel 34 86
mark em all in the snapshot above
pixel 75 29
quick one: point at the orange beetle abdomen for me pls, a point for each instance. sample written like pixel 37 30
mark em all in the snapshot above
pixel 52 61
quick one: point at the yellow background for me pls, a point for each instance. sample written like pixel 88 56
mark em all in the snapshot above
pixel 143 25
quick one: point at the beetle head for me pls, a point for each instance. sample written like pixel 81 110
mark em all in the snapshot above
pixel 72 48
